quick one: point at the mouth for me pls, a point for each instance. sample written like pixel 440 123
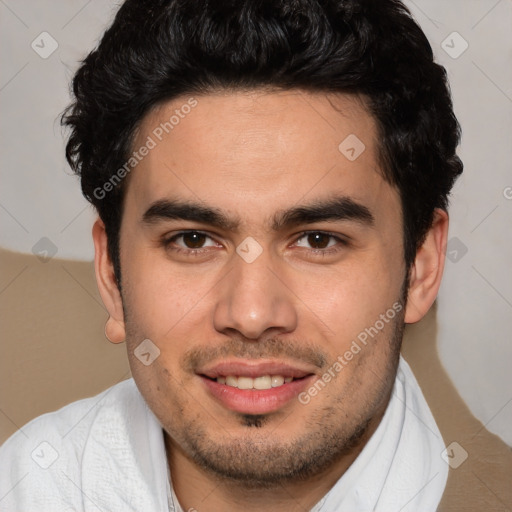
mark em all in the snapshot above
pixel 255 388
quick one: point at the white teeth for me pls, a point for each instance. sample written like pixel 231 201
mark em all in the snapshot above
pixel 232 381
pixel 277 380
pixel 263 382
pixel 245 383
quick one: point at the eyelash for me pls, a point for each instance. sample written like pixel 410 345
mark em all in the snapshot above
pixel 166 242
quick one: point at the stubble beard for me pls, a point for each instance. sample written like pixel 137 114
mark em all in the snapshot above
pixel 255 460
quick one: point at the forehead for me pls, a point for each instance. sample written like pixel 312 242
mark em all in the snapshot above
pixel 257 152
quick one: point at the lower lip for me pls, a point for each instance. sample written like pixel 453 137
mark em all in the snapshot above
pixel 254 401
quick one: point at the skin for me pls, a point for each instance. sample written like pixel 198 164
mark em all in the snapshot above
pixel 252 155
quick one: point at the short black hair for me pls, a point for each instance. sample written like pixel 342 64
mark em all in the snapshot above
pixel 157 50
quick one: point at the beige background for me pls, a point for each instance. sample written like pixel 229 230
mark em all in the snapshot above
pixel 52 340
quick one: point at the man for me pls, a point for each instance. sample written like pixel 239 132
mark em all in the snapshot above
pixel 271 180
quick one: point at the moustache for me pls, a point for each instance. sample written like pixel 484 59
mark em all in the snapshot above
pixel 270 348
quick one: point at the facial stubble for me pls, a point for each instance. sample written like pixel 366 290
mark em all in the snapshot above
pixel 256 459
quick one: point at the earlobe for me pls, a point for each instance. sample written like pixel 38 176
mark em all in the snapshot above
pixel 107 285
pixel 114 331
pixel 427 270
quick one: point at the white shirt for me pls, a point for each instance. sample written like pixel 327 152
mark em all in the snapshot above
pixel 107 454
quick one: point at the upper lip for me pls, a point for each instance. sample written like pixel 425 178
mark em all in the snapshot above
pixel 247 368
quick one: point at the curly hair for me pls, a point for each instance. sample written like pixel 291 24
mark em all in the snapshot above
pixel 157 50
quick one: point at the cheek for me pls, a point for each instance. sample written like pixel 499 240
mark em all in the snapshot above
pixel 165 312
pixel 353 298
pixel 160 295
pixel 164 393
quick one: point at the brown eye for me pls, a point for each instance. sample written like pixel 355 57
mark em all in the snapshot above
pixel 189 242
pixel 318 240
pixel 193 239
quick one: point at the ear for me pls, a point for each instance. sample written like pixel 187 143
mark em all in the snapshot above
pixel 426 272
pixel 107 285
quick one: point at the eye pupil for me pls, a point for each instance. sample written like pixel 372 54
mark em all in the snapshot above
pixel 318 239
pixel 194 240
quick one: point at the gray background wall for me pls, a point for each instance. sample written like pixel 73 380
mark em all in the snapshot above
pixel 42 42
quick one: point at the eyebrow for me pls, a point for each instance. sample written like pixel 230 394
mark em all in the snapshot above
pixel 340 208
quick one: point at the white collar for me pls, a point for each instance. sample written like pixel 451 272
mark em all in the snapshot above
pixel 400 468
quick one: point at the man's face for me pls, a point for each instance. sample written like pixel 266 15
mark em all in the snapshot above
pixel 277 290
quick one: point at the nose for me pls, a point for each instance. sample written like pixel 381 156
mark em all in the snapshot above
pixel 254 298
